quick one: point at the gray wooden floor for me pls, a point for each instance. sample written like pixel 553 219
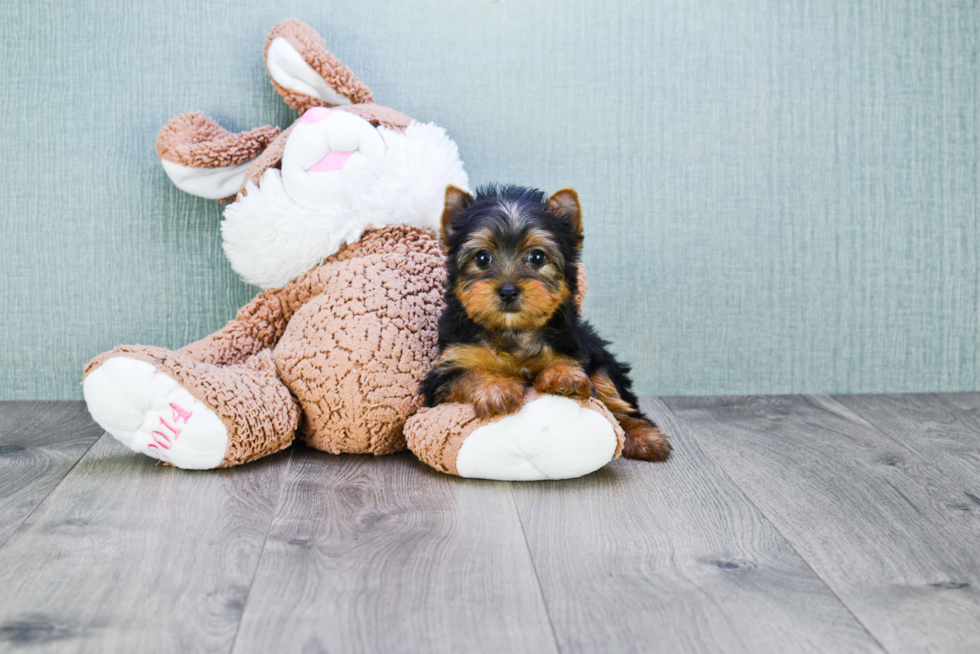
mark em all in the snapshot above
pixel 781 524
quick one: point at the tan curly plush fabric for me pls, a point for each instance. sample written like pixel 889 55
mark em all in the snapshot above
pixel 257 409
pixel 261 323
pixel 378 115
pixel 313 49
pixel 355 354
pixel 435 434
pixel 195 140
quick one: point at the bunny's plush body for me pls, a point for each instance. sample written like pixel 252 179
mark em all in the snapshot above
pixel 337 215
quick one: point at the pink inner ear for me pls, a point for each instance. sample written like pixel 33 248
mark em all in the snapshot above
pixel 333 161
pixel 316 114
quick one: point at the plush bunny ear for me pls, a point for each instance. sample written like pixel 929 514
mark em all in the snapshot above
pixel 270 158
pixel 305 74
pixel 204 159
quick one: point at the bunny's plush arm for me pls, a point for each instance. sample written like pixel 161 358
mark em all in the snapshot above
pixel 261 323
pixel 257 326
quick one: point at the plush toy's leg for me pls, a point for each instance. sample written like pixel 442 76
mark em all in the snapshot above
pixel 190 414
pixel 551 437
pixel 355 376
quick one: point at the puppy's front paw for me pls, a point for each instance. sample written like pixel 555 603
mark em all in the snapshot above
pixel 497 396
pixel 563 378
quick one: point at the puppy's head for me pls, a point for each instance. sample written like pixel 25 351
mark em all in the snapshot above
pixel 512 254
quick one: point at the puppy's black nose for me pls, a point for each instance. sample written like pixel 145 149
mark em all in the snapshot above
pixel 508 293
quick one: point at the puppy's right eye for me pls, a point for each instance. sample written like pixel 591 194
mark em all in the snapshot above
pixel 483 259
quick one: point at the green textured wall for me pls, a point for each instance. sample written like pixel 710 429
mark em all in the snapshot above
pixel 780 196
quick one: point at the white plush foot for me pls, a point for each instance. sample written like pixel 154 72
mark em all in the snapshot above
pixel 550 438
pixel 150 413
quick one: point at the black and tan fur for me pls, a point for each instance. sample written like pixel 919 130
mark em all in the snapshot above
pixel 510 318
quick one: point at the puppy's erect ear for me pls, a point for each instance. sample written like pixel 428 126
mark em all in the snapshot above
pixel 564 204
pixel 456 201
pixel 305 74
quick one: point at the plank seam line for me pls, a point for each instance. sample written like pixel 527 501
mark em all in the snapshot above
pixel 943 397
pixel 534 568
pixel 258 562
pixel 749 499
pixel 866 420
pixel 53 489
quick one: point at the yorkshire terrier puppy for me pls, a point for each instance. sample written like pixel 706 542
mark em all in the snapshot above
pixel 510 320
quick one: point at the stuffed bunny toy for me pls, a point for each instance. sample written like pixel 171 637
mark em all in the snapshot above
pixel 337 216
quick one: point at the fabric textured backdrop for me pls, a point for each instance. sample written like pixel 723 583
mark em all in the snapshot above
pixel 779 196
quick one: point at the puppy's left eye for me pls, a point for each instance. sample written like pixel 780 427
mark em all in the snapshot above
pixel 536 258
pixel 483 259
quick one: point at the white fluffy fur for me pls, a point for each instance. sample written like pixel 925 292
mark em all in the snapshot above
pixel 270 238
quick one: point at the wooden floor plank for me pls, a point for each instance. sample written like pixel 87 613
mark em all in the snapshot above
pixel 933 427
pixel 873 519
pixel 386 555
pixel 128 556
pixel 673 558
pixel 967 402
pixel 39 443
